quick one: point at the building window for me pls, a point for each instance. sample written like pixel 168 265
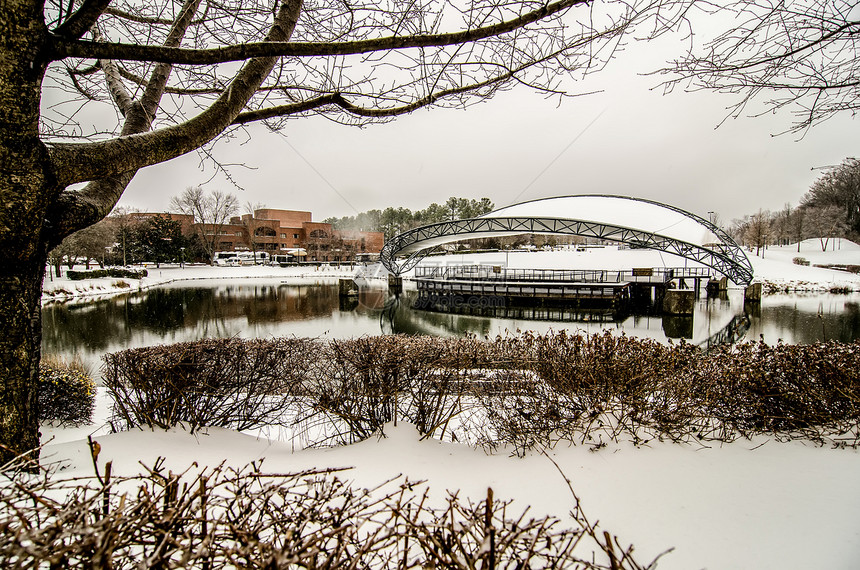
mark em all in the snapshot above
pixel 283 236
pixel 295 236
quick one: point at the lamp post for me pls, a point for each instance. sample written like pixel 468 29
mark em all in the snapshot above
pixel 182 258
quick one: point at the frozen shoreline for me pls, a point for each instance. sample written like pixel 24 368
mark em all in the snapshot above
pixel 774 269
pixel 64 289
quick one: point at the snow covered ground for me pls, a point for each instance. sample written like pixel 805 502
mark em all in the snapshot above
pixel 748 504
pixel 63 289
pixel 772 265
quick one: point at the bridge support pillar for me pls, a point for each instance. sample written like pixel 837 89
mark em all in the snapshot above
pixel 716 286
pixel 679 301
pixel 347 288
pixel 752 294
pixel 395 284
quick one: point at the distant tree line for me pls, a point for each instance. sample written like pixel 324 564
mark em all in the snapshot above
pixel 392 221
pixel 830 209
pixel 125 238
pixel 128 237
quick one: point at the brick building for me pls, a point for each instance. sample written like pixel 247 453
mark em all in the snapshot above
pixel 186 221
pixel 281 231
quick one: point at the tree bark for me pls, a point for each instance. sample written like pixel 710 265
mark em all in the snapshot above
pixel 37 213
pixel 26 188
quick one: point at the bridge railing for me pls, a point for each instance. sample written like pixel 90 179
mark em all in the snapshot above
pixel 500 273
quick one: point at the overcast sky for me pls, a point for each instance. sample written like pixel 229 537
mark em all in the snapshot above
pixel 628 139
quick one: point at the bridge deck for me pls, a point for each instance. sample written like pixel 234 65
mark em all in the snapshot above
pixel 498 273
pixel 524 289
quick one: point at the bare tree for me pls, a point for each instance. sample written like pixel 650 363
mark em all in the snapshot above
pixel 782 224
pixel 753 230
pixel 211 213
pixel 252 225
pixel 90 244
pixel 824 223
pixel 839 187
pixel 797 225
pixel 129 84
pixel 801 54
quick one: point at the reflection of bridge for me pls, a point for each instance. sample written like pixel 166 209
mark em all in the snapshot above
pixel 556 314
pixel 730 334
pixel 641 223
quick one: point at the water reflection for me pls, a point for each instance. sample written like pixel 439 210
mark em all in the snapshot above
pixel 267 308
pixel 804 319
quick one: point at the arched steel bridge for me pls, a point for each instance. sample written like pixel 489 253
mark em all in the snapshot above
pixel 634 221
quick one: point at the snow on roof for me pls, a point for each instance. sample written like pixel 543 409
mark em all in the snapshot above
pixel 620 211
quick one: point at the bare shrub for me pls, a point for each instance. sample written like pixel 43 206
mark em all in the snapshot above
pixel 592 385
pixel 235 383
pixel 361 384
pixel 531 390
pixel 811 391
pixel 606 388
pixel 523 414
pixel 228 518
pixel 67 392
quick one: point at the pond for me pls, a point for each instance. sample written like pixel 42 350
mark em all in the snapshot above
pixel 252 308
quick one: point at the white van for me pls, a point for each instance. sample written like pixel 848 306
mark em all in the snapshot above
pixel 235 258
pixel 225 258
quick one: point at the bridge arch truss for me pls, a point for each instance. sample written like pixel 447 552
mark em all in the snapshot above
pixel 664 228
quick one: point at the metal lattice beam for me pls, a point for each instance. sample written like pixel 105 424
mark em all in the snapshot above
pixel 725 257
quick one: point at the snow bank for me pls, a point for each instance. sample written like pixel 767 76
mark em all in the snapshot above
pixel 748 504
pixel 64 289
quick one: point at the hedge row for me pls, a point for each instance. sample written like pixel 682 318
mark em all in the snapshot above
pixel 120 272
pixel 525 391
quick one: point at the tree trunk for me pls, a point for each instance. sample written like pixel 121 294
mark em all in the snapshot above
pixel 20 345
pixel 26 189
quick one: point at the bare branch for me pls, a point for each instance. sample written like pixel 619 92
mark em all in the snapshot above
pixel 82 20
pixel 120 95
pixel 802 55
pixel 77 209
pixel 89 161
pixel 338 100
pixel 129 52
pixel 137 18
